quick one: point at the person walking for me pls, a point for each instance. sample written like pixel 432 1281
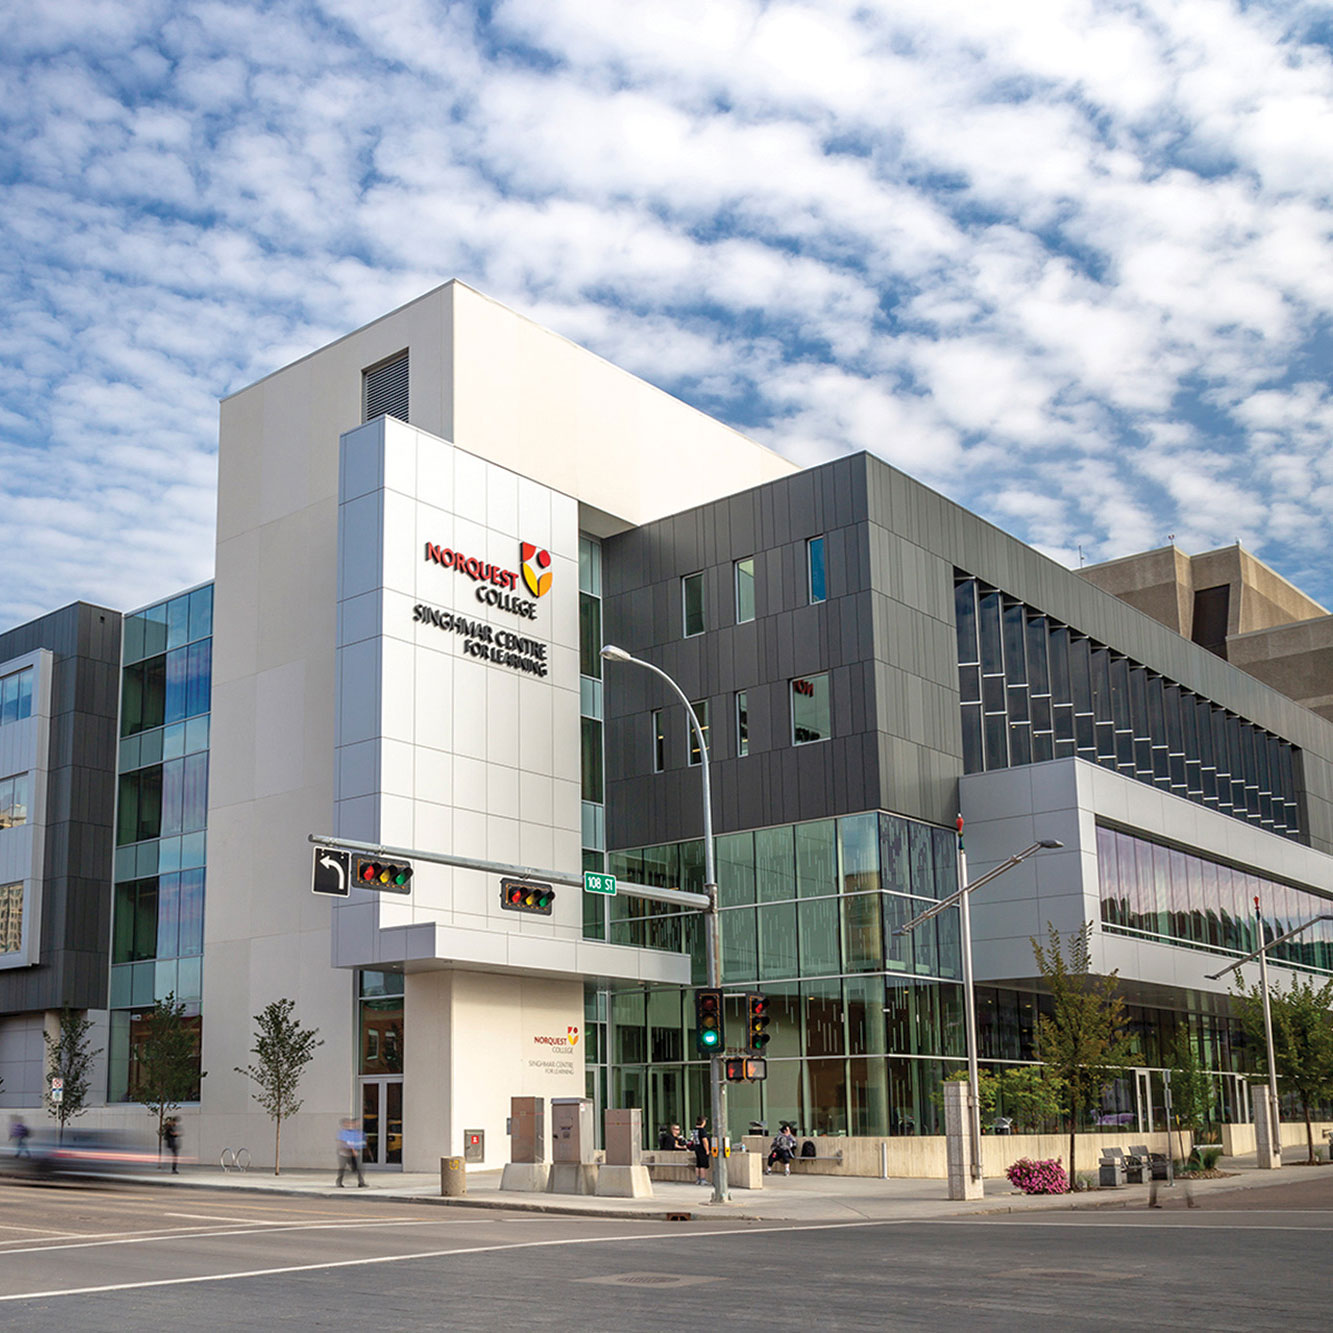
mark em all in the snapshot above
pixel 18 1136
pixel 351 1144
pixel 171 1140
pixel 703 1147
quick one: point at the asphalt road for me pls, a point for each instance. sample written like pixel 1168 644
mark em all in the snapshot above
pixel 76 1256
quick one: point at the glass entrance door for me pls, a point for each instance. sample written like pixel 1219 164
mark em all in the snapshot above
pixel 382 1121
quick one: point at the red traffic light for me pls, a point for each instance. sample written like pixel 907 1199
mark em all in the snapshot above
pixel 387 876
pixel 756 1033
pixel 517 895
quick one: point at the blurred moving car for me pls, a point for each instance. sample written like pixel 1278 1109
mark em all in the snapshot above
pixel 84 1152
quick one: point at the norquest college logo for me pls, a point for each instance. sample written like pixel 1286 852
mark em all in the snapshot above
pixel 496 587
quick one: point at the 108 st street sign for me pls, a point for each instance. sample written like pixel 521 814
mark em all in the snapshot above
pixel 594 882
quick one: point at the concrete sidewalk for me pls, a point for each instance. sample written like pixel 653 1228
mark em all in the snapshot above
pixel 784 1198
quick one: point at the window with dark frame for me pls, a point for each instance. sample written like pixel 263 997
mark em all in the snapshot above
pixel 817 580
pixel 700 707
pixel 659 741
pixel 742 725
pixel 744 579
pixel 692 603
pixel 810 712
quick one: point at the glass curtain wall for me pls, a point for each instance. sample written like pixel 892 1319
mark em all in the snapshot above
pixel 590 723
pixel 865 1024
pixel 157 939
pixel 1032 689
pixel 1148 889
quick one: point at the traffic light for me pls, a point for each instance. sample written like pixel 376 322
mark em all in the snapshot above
pixel 390 876
pixel 756 1034
pixel 708 1021
pixel 735 1068
pixel 517 895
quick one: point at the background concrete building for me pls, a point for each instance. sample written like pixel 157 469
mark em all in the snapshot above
pixel 1233 604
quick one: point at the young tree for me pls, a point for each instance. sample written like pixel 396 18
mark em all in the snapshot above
pixel 1029 1095
pixel 1191 1088
pixel 282 1049
pixel 1083 1042
pixel 1302 1040
pixel 69 1057
pixel 167 1067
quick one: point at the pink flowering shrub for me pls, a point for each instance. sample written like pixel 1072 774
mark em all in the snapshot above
pixel 1038 1177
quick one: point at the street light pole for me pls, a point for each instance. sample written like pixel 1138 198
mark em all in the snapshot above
pixel 712 933
pixel 959 899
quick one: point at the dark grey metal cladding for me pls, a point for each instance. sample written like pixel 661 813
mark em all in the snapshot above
pixel 776 782
pixel 886 635
pixel 76 898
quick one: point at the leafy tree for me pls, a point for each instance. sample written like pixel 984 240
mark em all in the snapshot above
pixel 985 1087
pixel 1191 1088
pixel 1302 1040
pixel 1083 1041
pixel 282 1049
pixel 69 1057
pixel 167 1069
pixel 1029 1095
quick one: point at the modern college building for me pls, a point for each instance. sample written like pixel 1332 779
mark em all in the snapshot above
pixel 426 531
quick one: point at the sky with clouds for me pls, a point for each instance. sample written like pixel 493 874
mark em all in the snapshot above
pixel 1069 261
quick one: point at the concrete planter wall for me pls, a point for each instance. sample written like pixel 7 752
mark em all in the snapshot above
pixel 923 1157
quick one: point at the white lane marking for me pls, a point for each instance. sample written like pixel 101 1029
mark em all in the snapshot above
pixel 435 1254
pixel 213 1217
pixel 93 1241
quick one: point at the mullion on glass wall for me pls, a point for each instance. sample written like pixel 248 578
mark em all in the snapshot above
pixel 1139 720
pixel 1189 731
pixel 1203 726
pixel 1103 712
pixel 1250 767
pixel 1039 690
pixel 1080 680
pixel 1062 696
pixel 994 703
pixel 1175 736
pixel 1122 723
pixel 1161 767
pixel 1016 683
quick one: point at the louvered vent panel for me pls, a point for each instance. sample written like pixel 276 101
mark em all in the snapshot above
pixel 386 389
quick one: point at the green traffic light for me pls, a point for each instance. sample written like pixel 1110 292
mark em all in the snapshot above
pixel 708 1037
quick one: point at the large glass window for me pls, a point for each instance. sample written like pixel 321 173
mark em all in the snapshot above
pixel 15 794
pixel 692 603
pixel 11 918
pixel 745 590
pixel 810 709
pixel 1150 889
pixel 814 560
pixel 591 734
pixel 16 696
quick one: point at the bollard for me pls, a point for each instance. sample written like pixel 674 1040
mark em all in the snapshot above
pixel 453 1177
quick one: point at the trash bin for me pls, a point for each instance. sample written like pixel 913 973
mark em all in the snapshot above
pixel 1111 1172
pixel 453 1177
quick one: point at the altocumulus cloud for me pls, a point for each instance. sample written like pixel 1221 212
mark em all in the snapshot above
pixel 1067 260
